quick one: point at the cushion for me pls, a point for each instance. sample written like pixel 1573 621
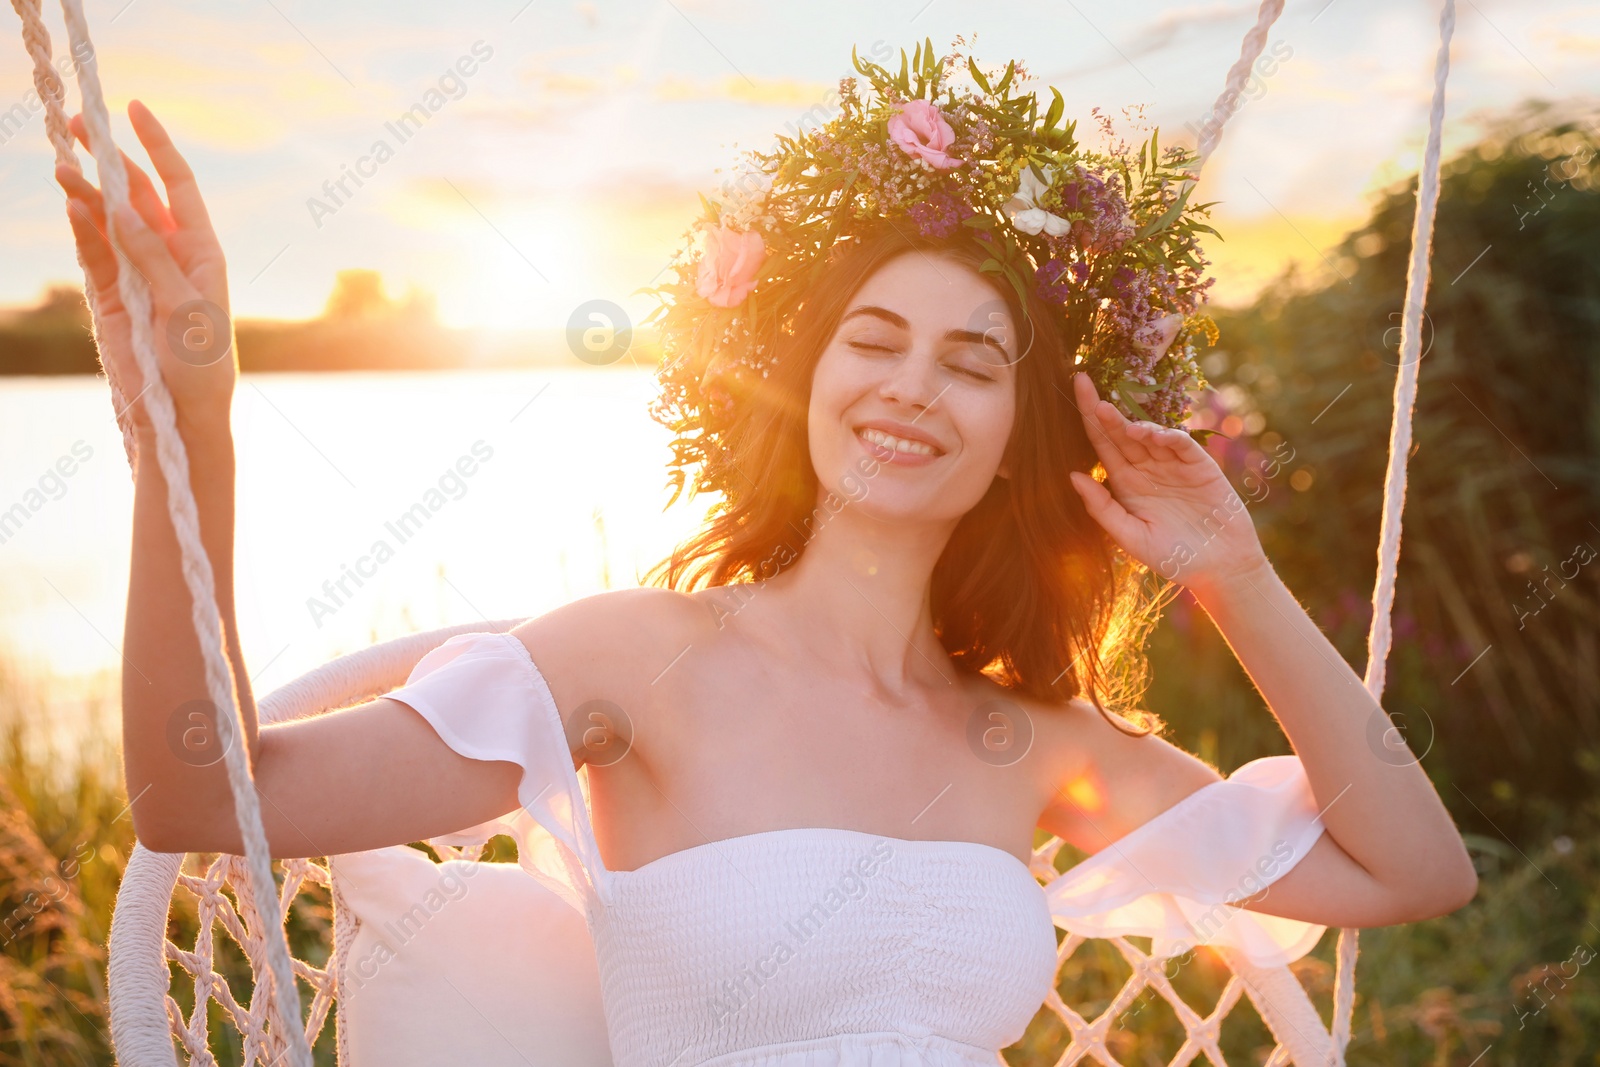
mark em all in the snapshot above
pixel 462 962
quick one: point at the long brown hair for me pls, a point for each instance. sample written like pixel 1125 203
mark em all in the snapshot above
pixel 1029 589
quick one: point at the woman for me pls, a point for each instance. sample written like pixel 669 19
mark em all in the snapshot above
pixel 832 712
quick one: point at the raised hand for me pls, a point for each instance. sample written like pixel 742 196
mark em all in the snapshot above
pixel 1168 504
pixel 176 251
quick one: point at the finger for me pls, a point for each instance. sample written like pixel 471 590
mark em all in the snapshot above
pixel 93 245
pixel 143 195
pixel 147 251
pixel 1096 415
pixel 1188 449
pixel 141 190
pixel 1115 426
pixel 82 189
pixel 1168 442
pixel 1105 510
pixel 182 192
pixel 1163 442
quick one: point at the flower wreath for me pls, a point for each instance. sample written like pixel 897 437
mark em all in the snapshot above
pixel 1108 237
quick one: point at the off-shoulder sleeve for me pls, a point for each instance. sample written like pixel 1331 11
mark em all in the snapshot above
pixel 483 695
pixel 1170 879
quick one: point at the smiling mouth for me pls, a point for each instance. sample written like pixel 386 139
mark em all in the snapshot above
pixel 890 443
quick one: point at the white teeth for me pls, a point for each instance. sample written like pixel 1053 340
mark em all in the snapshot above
pixel 898 444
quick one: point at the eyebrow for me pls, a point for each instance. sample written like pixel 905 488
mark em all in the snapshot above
pixel 893 319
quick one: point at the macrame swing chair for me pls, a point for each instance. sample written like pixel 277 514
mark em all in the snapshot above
pixel 273 1025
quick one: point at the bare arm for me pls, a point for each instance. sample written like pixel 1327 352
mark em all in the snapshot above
pixel 365 777
pixel 1392 853
pixel 1119 782
pixel 1389 837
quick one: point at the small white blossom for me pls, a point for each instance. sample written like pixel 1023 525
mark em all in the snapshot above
pixel 1026 214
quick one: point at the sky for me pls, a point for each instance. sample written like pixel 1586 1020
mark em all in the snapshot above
pixel 564 168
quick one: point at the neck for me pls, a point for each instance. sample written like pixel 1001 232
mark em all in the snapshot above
pixel 859 596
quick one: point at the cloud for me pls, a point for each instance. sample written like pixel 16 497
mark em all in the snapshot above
pixel 1162 31
pixel 764 92
pixel 1156 35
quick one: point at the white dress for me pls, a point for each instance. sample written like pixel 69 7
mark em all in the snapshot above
pixel 825 947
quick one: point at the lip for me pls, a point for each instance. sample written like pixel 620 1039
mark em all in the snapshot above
pixel 901 430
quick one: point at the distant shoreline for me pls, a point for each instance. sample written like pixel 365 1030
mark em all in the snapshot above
pixel 66 348
pixel 362 329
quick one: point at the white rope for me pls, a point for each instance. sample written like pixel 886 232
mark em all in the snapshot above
pixel 48 84
pixel 173 461
pixel 1378 638
pixel 1405 386
pixel 1249 51
pixel 1394 495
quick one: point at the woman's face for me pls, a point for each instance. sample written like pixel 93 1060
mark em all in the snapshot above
pixel 913 399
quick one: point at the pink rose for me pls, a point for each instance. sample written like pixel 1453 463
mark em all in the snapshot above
pixel 920 130
pixel 728 268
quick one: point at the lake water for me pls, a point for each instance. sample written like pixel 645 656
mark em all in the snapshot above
pixel 564 498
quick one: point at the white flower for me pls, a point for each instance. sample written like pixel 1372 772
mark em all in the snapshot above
pixel 1166 327
pixel 1026 214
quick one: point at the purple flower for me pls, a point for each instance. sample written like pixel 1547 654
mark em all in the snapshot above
pixel 1053 282
pixel 1106 224
pixel 939 214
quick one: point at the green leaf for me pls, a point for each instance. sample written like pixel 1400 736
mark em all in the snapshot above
pixel 903 79
pixel 1138 409
pixel 1172 212
pixel 972 67
pixel 1201 433
pixel 1011 68
pixel 980 221
pixel 1057 106
pixel 990 266
pixel 930 66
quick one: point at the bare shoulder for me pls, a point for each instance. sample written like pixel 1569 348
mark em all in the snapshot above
pixel 1107 778
pixel 633 612
pixel 602 645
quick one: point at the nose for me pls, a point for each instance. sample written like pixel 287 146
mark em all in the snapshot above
pixel 911 381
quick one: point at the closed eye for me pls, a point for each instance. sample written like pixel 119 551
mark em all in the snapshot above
pixel 975 374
